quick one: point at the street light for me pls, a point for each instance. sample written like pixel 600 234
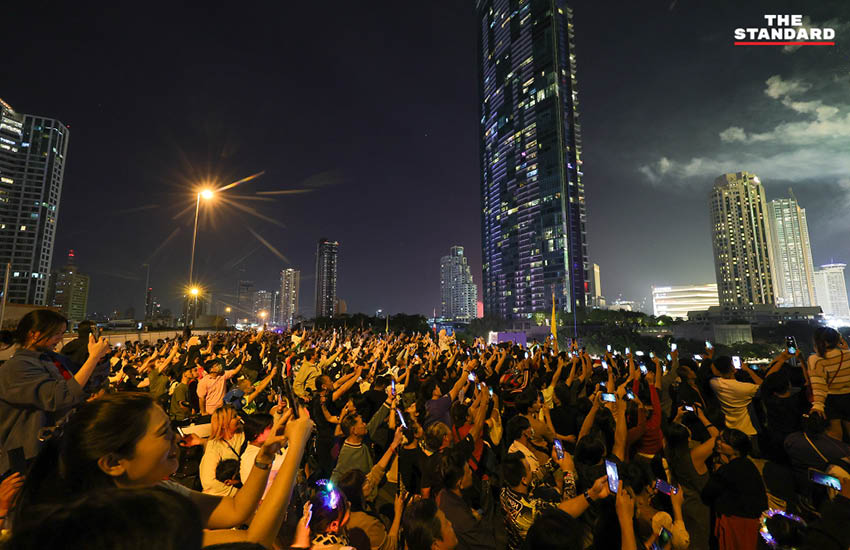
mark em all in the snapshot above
pixel 194 291
pixel 227 309
pixel 206 194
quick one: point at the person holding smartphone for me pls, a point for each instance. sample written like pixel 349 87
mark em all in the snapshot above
pixel 735 396
pixel 829 375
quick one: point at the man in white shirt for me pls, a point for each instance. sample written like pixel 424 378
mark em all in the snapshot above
pixel 735 396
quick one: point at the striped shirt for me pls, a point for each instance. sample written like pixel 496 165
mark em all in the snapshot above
pixel 829 375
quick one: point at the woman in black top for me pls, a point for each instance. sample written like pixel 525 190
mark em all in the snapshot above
pixel 736 491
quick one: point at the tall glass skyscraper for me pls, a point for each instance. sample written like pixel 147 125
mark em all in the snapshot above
pixel 326 253
pixel 33 150
pixel 743 260
pixel 793 280
pixel 533 215
pixel 290 283
pixel 458 293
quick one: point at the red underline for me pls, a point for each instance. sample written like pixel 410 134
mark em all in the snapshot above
pixel 785 43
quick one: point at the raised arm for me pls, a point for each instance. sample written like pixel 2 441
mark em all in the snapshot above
pixel 261 386
pixel 460 382
pixel 590 418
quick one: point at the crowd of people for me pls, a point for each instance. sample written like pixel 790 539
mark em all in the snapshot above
pixel 332 439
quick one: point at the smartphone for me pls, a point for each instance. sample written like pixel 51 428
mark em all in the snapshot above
pixel 491 391
pixel 673 347
pixel 669 357
pixel 627 350
pixel 603 384
pixel 664 536
pixel 652 355
pixel 17 460
pixel 708 345
pixel 290 396
pixel 478 386
pixel 698 357
pixel 630 395
pixel 180 431
pixel 559 449
pixel 604 364
pixel 815 476
pixel 791 345
pixel 608 347
pixel 643 369
pixel 471 377
pixel 736 361
pixel 609 397
pixel 401 419
pixel 393 386
pixel 639 353
pixel 689 408
pixel 526 355
pixel 665 487
pixel 613 476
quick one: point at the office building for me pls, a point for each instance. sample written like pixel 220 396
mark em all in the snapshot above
pixel 263 306
pixel 275 315
pixel 831 291
pixel 149 304
pixel 595 297
pixel 33 151
pixel 533 200
pixel 793 280
pixel 677 301
pixel 326 260
pixel 741 241
pixel 244 301
pixel 290 285
pixel 458 292
pixel 70 290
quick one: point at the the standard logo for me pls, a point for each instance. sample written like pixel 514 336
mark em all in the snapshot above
pixel 784 30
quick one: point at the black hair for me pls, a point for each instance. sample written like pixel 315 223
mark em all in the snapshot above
pixel 814 424
pixel 451 467
pixel 515 427
pixel 562 393
pixel 738 440
pixel 329 505
pixel 525 400
pixel 84 329
pixel 776 383
pixel 554 529
pixel 43 321
pixel 112 519
pixel 825 339
pixel 590 449
pixel 348 421
pixel 513 469
pixel 723 364
pixel 112 424
pixel 459 412
pixel 227 470
pixel 421 525
pixel 351 484
pixel 253 425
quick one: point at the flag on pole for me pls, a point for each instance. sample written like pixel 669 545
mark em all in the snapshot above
pixel 553 327
pixel 388 324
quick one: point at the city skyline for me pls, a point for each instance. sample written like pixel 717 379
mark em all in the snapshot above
pixel 784 119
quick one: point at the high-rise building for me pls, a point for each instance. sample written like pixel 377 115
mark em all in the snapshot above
pixel 677 301
pixel 263 306
pixel 326 259
pixel 275 314
pixel 831 291
pixel 458 292
pixel 149 304
pixel 244 300
pixel 33 151
pixel 595 298
pixel 533 201
pixel 290 283
pixel 742 246
pixel 793 280
pixel 70 290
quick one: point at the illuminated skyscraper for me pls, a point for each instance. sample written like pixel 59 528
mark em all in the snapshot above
pixel 326 255
pixel 793 280
pixel 533 215
pixel 33 150
pixel 290 283
pixel 458 293
pixel 70 290
pixel 831 291
pixel 677 301
pixel 263 306
pixel 742 246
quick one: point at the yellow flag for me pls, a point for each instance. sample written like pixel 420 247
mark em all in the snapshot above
pixel 553 326
pixel 388 324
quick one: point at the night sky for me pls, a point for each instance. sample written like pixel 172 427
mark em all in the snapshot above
pixel 372 107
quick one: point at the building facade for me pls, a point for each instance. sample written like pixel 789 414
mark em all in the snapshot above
pixel 831 291
pixel 33 151
pixel 741 241
pixel 244 300
pixel 793 280
pixel 677 301
pixel 533 201
pixel 458 292
pixel 595 298
pixel 326 263
pixel 70 290
pixel 290 285
pixel 263 306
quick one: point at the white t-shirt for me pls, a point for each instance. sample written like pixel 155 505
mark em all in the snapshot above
pixel 734 399
pixel 247 464
pixel 216 451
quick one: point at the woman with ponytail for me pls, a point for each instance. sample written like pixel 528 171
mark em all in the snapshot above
pixel 36 389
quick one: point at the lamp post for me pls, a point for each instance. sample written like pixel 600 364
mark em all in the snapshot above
pixel 206 194
pixel 194 291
